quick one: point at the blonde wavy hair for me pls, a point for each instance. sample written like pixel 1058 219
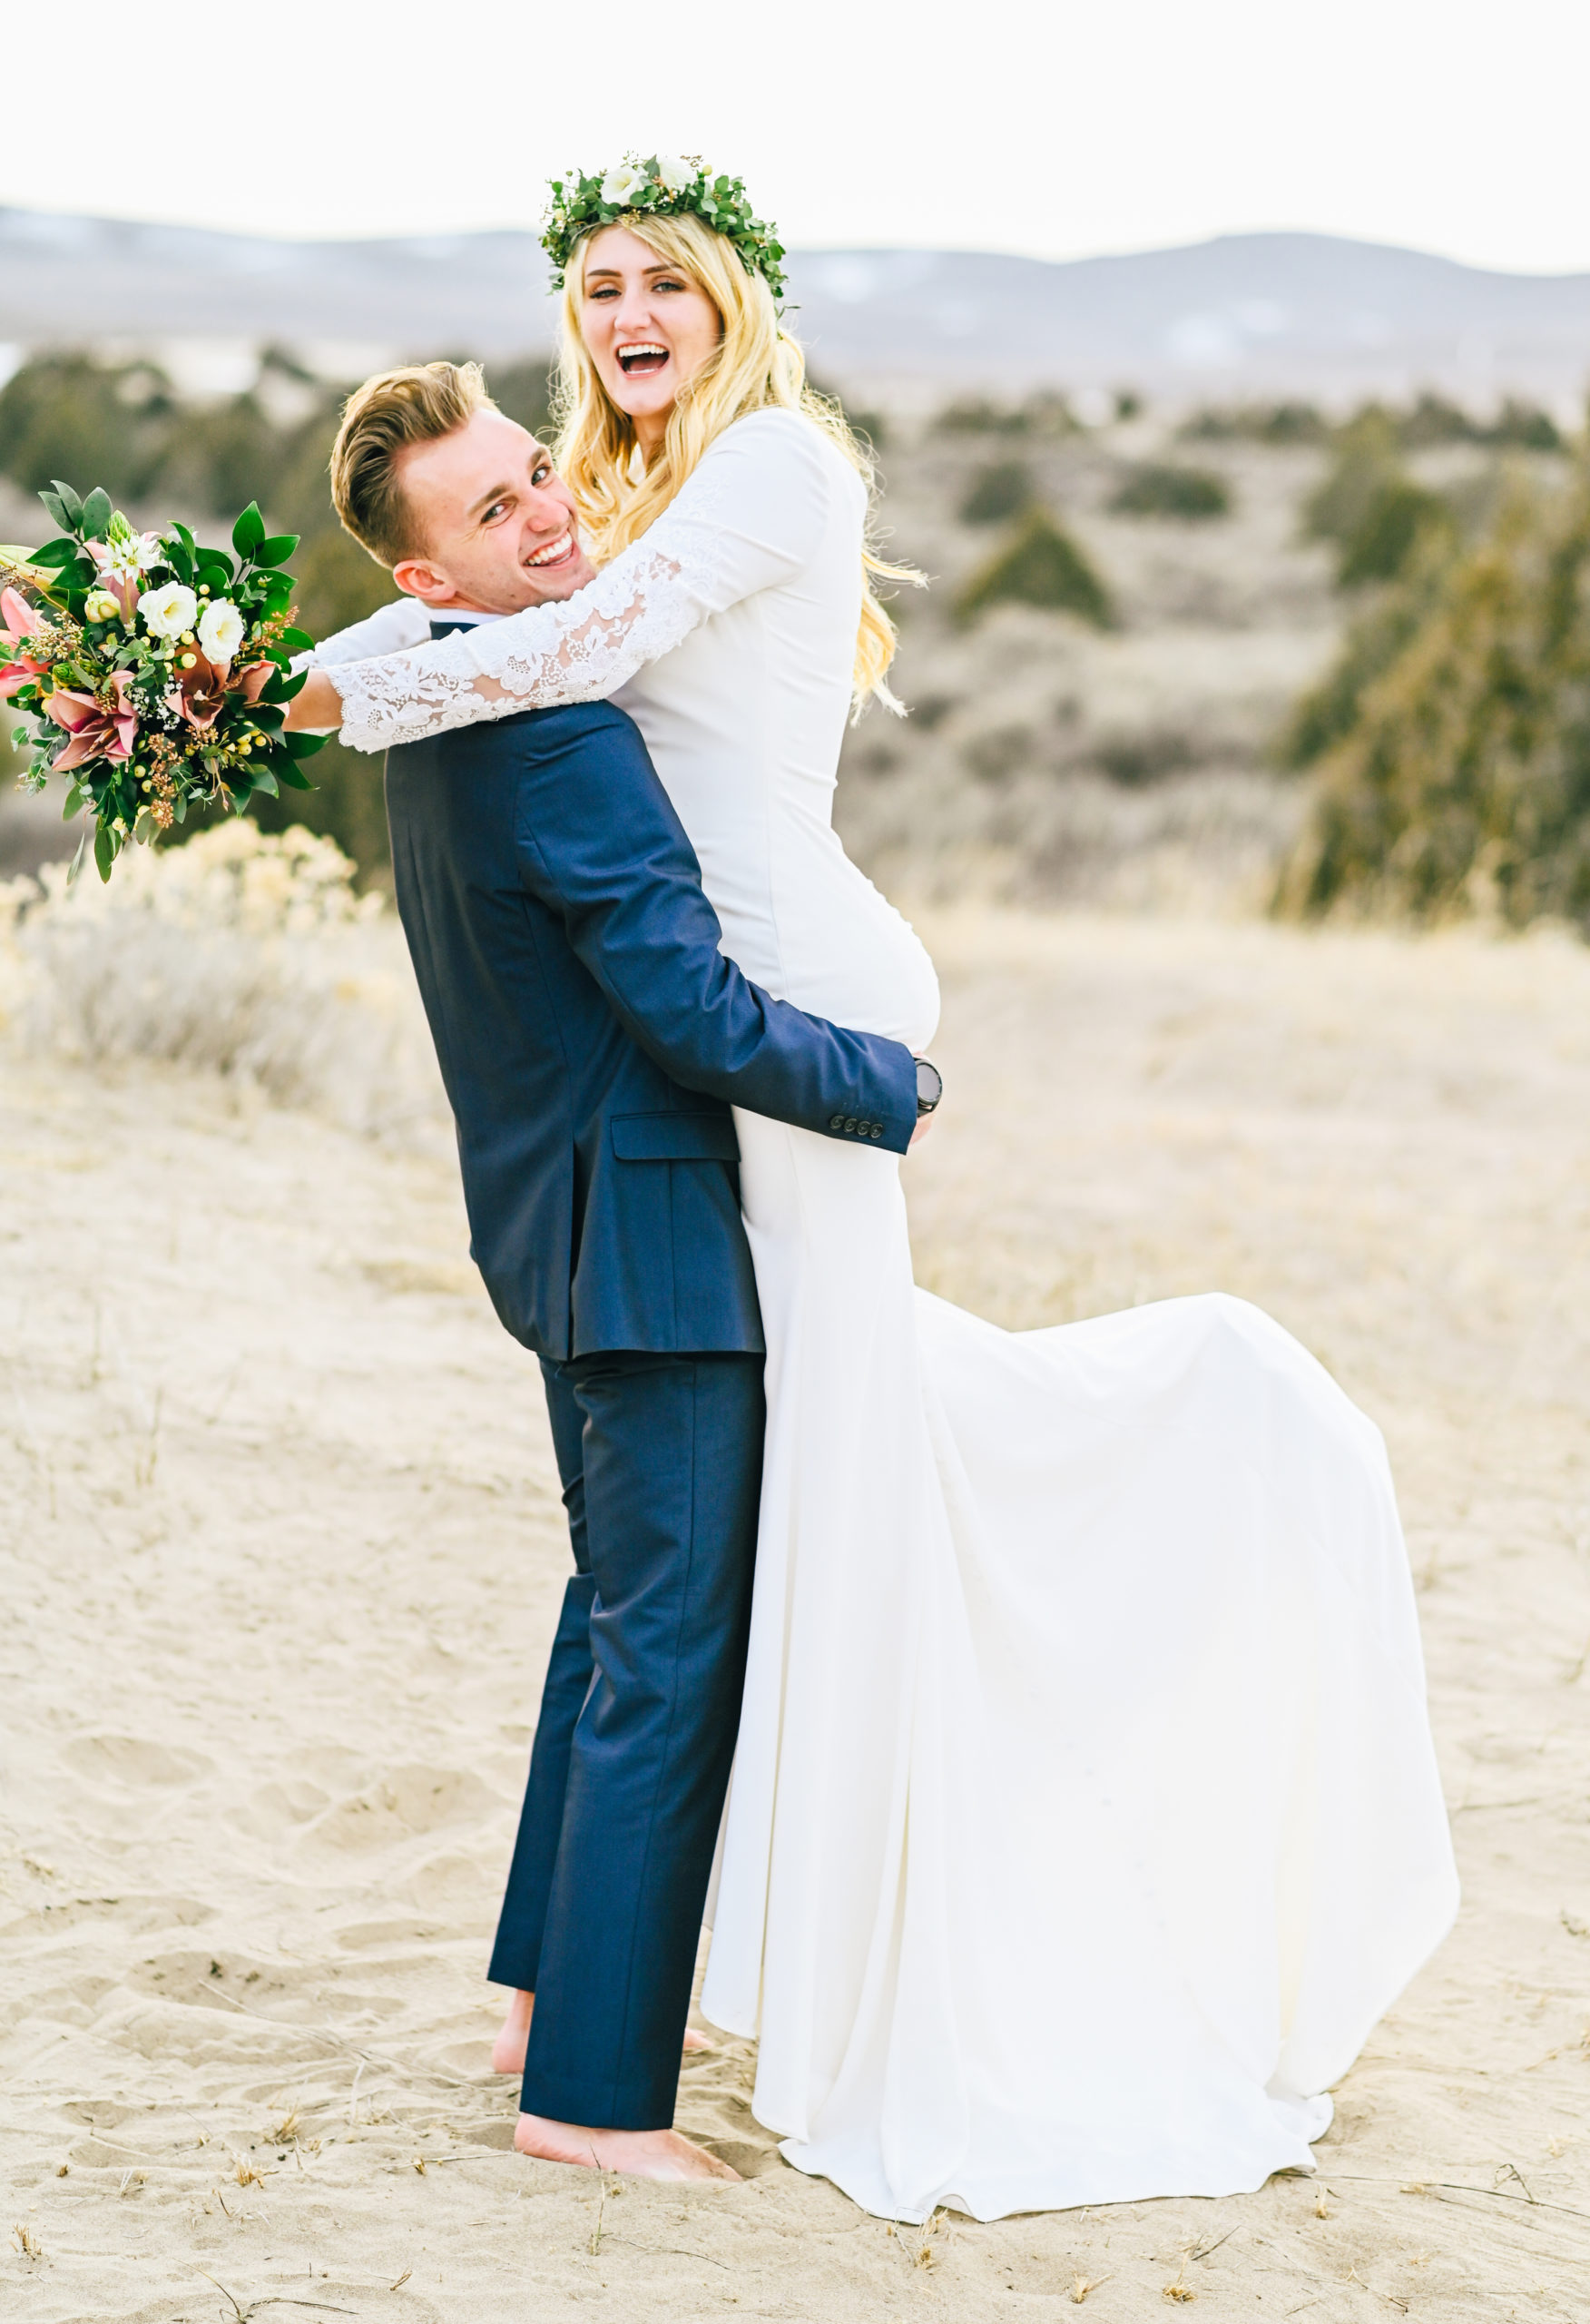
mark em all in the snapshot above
pixel 756 366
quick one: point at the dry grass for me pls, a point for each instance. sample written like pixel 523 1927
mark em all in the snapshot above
pixel 239 954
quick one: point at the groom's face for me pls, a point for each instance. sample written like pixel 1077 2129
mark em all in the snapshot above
pixel 493 521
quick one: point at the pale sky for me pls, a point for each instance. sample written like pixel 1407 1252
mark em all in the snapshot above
pixel 1032 125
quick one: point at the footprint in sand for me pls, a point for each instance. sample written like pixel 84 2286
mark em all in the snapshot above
pixel 408 1802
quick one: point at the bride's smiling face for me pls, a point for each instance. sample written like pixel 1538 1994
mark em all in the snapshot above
pixel 648 326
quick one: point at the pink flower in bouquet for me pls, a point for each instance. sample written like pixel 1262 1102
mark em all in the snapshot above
pixel 95 732
pixel 202 686
pixel 15 675
pixel 20 622
pixel 18 616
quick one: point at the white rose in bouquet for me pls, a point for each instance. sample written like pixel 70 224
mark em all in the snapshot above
pixel 167 611
pixel 220 630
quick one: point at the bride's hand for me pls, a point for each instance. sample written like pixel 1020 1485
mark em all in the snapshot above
pixel 316 708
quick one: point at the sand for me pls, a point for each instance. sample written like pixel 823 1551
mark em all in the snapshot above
pixel 282 1549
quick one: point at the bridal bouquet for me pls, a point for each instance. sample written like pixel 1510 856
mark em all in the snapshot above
pixel 155 672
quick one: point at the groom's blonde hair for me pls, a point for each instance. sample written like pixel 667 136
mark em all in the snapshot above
pixel 413 405
pixel 756 366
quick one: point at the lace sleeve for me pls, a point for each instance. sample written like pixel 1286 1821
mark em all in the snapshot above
pixel 391 627
pixel 747 520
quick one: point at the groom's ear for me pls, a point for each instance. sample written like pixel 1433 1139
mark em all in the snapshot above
pixel 418 577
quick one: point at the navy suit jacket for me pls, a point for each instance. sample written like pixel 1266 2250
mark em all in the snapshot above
pixel 592 1034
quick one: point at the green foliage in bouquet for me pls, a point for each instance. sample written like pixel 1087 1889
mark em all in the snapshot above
pixel 1454 739
pixel 156 672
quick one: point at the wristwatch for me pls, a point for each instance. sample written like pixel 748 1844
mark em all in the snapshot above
pixel 929 1086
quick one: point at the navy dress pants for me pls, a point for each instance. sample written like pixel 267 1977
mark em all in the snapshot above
pixel 661 1461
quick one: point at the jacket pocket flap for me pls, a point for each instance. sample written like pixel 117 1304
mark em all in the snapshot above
pixel 674 1137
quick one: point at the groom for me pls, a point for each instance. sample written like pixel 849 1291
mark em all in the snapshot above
pixel 593 1037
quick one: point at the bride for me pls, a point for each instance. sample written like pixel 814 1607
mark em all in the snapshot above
pixel 1084 1817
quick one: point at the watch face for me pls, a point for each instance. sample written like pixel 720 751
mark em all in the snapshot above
pixel 929 1086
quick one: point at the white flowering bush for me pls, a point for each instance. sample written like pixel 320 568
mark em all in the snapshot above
pixel 244 954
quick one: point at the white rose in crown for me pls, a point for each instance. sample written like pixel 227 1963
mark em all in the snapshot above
pixel 167 611
pixel 621 184
pixel 220 630
pixel 676 175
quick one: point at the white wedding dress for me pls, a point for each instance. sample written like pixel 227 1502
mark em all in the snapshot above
pixel 1084 1817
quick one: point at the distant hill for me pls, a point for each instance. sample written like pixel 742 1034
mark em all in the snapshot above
pixel 1246 314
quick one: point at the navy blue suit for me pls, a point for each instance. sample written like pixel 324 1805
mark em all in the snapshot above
pixel 592 1038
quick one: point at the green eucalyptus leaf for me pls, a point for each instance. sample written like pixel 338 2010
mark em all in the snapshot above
pixel 265 780
pixel 104 850
pixel 55 509
pixel 304 746
pixel 248 531
pixel 97 513
pixel 70 501
pixel 54 555
pixel 277 549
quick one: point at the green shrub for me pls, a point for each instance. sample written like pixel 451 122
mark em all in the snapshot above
pixel 1435 421
pixel 1042 566
pixel 1366 455
pixel 1525 428
pixel 1519 426
pixel 524 391
pixel 1380 546
pixel 998 492
pixel 1463 781
pixel 1136 760
pixel 92 423
pixel 1261 423
pixel 1370 507
pixel 1328 712
pixel 1158 489
pixel 1046 413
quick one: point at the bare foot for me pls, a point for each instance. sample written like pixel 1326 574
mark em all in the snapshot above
pixel 508 2052
pixel 638 2154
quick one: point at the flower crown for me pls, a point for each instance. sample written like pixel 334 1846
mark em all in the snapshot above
pixel 663 186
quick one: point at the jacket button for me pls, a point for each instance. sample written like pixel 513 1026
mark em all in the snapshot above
pixel 851 1126
pixel 877 1130
pixel 836 1121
